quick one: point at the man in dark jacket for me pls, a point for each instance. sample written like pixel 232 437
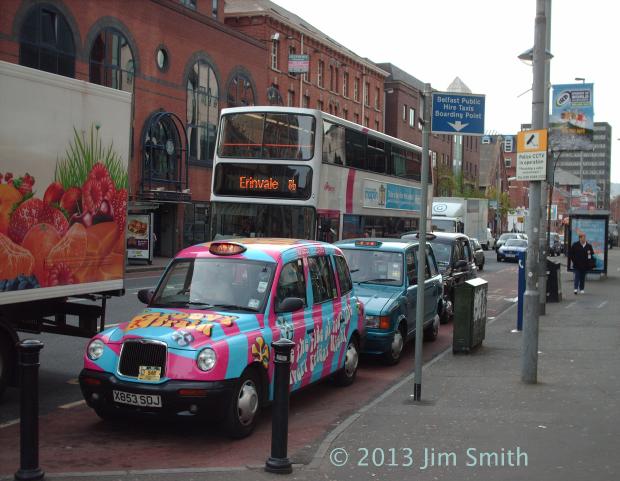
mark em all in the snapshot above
pixel 582 256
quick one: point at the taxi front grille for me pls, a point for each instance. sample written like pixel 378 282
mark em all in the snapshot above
pixel 141 353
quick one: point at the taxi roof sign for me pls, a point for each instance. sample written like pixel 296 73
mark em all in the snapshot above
pixel 226 248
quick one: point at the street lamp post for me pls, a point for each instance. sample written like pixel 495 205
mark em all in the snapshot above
pixel 531 296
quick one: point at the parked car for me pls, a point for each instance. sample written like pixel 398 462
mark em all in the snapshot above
pixel 555 245
pixel 478 253
pixel 509 235
pixel 455 260
pixel 491 241
pixel 384 273
pixel 203 344
pixel 510 250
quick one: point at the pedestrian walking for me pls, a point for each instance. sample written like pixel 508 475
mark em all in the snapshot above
pixel 582 257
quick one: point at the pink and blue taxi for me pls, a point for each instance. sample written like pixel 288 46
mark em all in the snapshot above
pixel 203 344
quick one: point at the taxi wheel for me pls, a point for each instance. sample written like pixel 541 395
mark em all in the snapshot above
pixel 244 407
pixel 346 375
pixel 431 332
pixel 392 357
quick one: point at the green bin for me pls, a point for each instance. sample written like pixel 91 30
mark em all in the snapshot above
pixel 470 315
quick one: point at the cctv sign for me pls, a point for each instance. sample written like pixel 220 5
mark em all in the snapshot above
pixel 532 155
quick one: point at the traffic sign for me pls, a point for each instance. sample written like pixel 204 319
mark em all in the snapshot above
pixel 532 155
pixel 457 114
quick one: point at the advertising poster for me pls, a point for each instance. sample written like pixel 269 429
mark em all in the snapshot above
pixel 381 195
pixel 138 236
pixel 572 117
pixel 596 234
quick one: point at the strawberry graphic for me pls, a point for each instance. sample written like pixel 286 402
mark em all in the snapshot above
pixel 60 275
pixel 24 217
pixel 55 217
pixel 23 184
pixel 53 193
pixel 70 201
pixel 119 208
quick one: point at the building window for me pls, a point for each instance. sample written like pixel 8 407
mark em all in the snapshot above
pixel 319 104
pixel 46 42
pixel 275 48
pixel 377 125
pixel 291 98
pixel 111 61
pixel 306 101
pixel 367 94
pixel 404 113
pixel 411 117
pixel 202 111
pixel 214 8
pixel 345 84
pixel 356 118
pixel 319 73
pixel 377 101
pixel 345 114
pixel 356 90
pixel 331 78
pixel 189 4
pixel 240 92
pixel 366 121
pixel 336 86
pixel 508 162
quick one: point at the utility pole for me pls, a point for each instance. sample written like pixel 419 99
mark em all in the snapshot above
pixel 419 313
pixel 531 297
pixel 544 224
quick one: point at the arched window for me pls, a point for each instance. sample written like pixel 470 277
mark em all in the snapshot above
pixel 111 60
pixel 240 92
pixel 46 42
pixel 162 148
pixel 202 111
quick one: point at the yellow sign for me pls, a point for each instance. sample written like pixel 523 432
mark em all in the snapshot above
pixel 149 373
pixel 532 141
pixel 532 155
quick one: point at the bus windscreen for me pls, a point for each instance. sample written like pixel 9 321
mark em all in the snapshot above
pixel 267 135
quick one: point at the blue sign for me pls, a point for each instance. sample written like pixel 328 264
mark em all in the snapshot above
pixel 457 114
pixel 403 198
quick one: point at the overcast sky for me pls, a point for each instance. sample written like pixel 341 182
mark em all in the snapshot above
pixel 478 41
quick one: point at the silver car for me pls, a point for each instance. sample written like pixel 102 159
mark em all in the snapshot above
pixel 478 253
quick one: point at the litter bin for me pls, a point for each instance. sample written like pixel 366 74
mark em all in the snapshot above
pixel 554 284
pixel 470 315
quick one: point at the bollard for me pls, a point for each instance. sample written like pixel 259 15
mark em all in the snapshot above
pixel 29 411
pixel 278 462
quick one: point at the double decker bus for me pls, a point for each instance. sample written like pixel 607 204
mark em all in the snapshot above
pixel 302 173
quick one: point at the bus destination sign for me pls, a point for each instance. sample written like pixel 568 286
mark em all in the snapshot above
pixel 263 180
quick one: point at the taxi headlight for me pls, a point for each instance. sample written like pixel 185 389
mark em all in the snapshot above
pixel 372 321
pixel 95 349
pixel 206 359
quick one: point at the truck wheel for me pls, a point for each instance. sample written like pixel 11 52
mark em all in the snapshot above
pixel 346 375
pixel 7 359
pixel 243 409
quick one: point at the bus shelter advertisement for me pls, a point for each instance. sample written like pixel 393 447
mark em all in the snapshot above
pixel 595 229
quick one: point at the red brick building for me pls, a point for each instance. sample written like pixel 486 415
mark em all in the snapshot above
pixel 338 81
pixel 182 64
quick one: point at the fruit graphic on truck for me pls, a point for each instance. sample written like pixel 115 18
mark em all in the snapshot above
pixel 63 204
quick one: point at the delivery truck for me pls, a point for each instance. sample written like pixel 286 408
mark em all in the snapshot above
pixel 458 214
pixel 64 148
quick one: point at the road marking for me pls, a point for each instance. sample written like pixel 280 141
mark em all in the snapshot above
pixel 570 305
pixel 9 423
pixel 72 405
pixel 511 299
pixel 73 381
pixel 601 304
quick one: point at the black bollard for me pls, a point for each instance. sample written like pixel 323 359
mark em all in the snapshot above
pixel 29 411
pixel 278 462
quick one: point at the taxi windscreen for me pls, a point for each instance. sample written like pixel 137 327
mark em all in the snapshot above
pixel 212 284
pixel 375 267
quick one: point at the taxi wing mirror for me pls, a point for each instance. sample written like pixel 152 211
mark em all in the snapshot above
pixel 460 264
pixel 145 295
pixel 290 304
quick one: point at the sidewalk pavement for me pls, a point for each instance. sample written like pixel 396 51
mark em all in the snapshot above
pixel 158 265
pixel 477 419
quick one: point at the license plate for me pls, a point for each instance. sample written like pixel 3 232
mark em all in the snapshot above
pixel 510 255
pixel 149 373
pixel 144 400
